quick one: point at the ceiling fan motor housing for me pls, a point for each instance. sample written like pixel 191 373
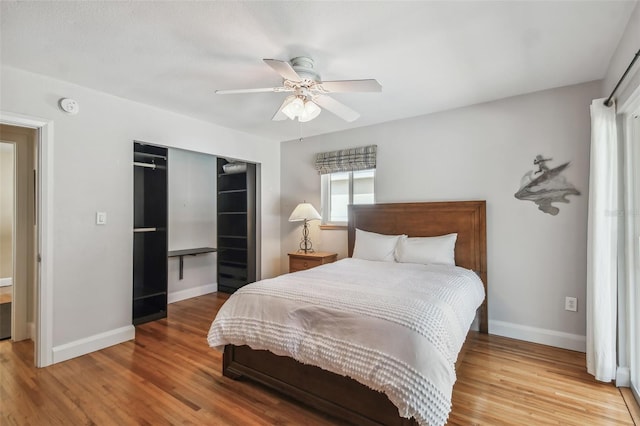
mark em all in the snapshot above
pixel 305 68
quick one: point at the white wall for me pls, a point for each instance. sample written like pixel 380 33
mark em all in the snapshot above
pixel 92 155
pixel 627 48
pixel 192 221
pixel 480 153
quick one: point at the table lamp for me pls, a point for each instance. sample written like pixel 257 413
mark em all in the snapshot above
pixel 305 211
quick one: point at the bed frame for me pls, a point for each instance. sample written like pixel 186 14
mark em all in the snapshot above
pixel 340 396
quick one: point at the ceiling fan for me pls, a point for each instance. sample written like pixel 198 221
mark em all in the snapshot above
pixel 309 94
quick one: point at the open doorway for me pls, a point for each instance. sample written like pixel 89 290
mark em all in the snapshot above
pixel 18 232
pixel 43 305
pixel 6 236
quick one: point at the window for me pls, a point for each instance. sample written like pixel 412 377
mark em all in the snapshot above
pixel 348 177
pixel 340 189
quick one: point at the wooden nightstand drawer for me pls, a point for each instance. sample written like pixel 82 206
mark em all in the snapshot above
pixel 301 261
pixel 298 264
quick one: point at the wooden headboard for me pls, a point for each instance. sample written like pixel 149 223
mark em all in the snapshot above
pixel 466 218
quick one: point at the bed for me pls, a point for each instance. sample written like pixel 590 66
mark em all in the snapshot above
pixel 336 394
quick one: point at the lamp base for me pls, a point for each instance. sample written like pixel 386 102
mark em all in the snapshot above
pixel 305 242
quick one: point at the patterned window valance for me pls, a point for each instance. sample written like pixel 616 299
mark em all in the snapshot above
pixel 346 160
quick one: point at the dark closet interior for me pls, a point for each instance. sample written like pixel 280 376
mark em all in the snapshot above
pixel 236 225
pixel 236 230
pixel 149 233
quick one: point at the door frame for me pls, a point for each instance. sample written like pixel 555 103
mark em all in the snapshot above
pixel 43 339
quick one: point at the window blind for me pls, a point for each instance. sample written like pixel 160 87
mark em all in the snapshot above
pixel 346 160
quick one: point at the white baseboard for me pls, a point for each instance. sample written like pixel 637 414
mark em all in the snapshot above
pixel 623 377
pixel 4 282
pixel 559 339
pixel 93 343
pixel 177 296
pixel 636 392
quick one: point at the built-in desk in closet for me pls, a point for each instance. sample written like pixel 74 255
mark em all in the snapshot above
pixel 189 252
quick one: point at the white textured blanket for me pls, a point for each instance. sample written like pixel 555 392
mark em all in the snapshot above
pixel 395 327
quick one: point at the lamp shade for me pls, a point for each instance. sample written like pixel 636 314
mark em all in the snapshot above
pixel 311 111
pixel 294 108
pixel 304 211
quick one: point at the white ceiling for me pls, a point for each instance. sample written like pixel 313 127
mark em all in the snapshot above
pixel 429 56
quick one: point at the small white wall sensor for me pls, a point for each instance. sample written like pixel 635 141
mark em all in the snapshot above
pixel 69 106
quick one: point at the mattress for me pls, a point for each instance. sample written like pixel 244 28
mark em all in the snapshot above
pixel 394 327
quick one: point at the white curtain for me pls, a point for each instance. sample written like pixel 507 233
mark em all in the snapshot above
pixel 602 243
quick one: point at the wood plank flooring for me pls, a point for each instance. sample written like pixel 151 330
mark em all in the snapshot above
pixel 170 376
pixel 632 404
pixel 509 382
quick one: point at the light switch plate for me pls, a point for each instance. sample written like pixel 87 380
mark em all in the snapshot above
pixel 101 218
pixel 571 304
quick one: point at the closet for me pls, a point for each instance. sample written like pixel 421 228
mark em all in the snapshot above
pixel 149 233
pixel 236 202
pixel 235 225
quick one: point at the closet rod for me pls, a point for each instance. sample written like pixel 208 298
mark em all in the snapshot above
pixel 149 165
pixel 635 58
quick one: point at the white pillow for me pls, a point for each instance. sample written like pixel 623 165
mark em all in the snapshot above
pixel 372 246
pixel 426 250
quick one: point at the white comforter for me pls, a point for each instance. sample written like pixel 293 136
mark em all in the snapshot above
pixel 395 327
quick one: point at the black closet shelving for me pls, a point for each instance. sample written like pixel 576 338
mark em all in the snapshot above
pixel 149 233
pixel 236 227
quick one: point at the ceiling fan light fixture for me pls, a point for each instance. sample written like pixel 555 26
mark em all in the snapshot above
pixel 294 108
pixel 311 111
pixel 310 92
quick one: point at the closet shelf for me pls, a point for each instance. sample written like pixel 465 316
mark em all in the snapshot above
pixel 149 155
pixel 147 295
pixel 154 229
pixel 232 248
pixel 232 263
pixel 232 191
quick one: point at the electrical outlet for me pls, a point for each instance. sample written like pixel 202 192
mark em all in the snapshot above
pixel 571 304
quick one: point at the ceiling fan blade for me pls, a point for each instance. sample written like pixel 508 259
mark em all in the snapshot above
pixel 259 90
pixel 279 115
pixel 338 108
pixel 283 68
pixel 369 85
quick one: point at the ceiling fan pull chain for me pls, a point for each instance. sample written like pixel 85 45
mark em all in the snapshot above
pixel 299 131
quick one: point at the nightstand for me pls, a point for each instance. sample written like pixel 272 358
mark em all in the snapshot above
pixel 302 261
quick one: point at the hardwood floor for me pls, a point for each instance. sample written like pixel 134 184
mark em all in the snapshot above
pixel 632 404
pixel 510 382
pixel 170 376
